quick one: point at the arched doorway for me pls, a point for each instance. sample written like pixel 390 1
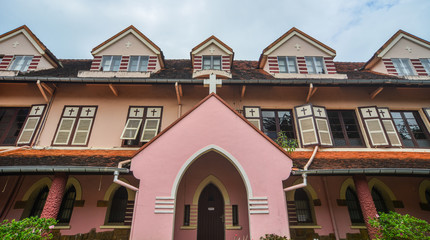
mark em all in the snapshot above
pixel 211 216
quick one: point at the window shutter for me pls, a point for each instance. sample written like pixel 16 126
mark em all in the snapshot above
pixel 152 63
pixel 197 63
pixel 323 126
pixel 64 131
pixel 95 65
pixel 273 64
pixel 225 63
pixel 390 66
pixel 253 115
pixel 82 131
pixel 4 64
pixel 329 64
pixel 150 129
pixel 306 125
pixel 131 129
pixel 124 63
pixel 427 113
pixel 374 128
pixel 301 62
pixel 31 124
pixel 34 62
pixel 389 126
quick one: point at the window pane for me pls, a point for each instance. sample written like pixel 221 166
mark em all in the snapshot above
pixel 118 206
pixel 134 61
pixel 216 62
pixel 411 129
pixel 21 63
pixel 11 122
pixel 143 65
pixel 39 202
pixel 292 67
pixel 403 66
pixel 344 128
pixel 66 208
pixel 303 210
pixel 310 65
pixel 319 65
pixel 116 61
pixel 206 62
pixel 282 65
pixel 426 64
pixel 379 201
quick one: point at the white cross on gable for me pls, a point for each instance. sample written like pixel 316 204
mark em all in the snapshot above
pixel 212 50
pixel 409 49
pixel 212 82
pixel 15 44
pixel 297 46
pixel 128 44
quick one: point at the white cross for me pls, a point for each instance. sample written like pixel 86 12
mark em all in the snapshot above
pixel 128 44
pixel 297 46
pixel 213 83
pixel 409 49
pixel 15 44
pixel 212 50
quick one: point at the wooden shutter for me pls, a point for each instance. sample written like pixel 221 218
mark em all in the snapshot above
pixel 273 64
pixel 323 126
pixel 301 62
pixel 82 131
pixel 329 65
pixel 64 131
pixel 390 66
pixel 253 115
pixel 131 129
pixel 34 62
pixel 95 65
pixel 150 129
pixel 4 64
pixel 306 125
pixel 373 126
pixel 198 63
pixel 427 113
pixel 390 128
pixel 152 63
pixel 124 63
pixel 31 124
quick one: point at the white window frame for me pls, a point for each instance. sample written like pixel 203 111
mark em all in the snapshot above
pixel 107 63
pixel 403 66
pixel 426 64
pixel 212 65
pixel 312 65
pixel 289 63
pixel 21 63
pixel 141 65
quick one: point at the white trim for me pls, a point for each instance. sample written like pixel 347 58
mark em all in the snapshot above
pixel 209 43
pixel 221 151
pixel 164 198
pixel 302 37
pixel 27 35
pixel 259 212
pixel 258 207
pixel 164 211
pixel 147 44
pixel 114 227
pixel 163 207
pixel 164 203
pixel 394 42
pixel 258 203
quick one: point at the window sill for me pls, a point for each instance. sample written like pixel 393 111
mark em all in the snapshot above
pixel 115 227
pixel 233 227
pixel 358 227
pixel 218 73
pixel 188 227
pixel 306 226
pixel 111 74
pixel 310 76
pixel 8 73
pixel 61 227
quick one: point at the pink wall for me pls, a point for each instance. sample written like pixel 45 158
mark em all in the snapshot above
pixel 211 123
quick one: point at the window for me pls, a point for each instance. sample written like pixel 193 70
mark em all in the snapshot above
pixel 411 129
pixel 143 123
pixel 118 206
pixel 427 194
pixel 111 63
pixel 11 122
pixel 187 215
pixel 313 126
pixel 275 121
pixel 138 64
pixel 235 211
pixel 66 207
pixel 379 201
pixel 315 65
pixel 344 128
pixel 426 64
pixel 354 208
pixel 403 66
pixel 287 64
pixel 212 62
pixel 21 63
pixel 75 125
pixel 303 209
pixel 39 202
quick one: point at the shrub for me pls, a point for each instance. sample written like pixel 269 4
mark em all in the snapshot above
pixel 273 237
pixel 27 228
pixel 288 144
pixel 394 226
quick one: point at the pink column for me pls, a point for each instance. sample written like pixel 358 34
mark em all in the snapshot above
pixel 55 196
pixel 366 203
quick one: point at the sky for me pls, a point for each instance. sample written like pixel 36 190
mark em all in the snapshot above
pixel 356 29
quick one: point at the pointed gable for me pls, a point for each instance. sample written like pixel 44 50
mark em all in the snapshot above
pixel 402 55
pixel 212 56
pixel 295 53
pixel 129 53
pixel 21 50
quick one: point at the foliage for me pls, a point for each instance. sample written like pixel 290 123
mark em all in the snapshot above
pixel 273 237
pixel 286 143
pixel 394 226
pixel 27 228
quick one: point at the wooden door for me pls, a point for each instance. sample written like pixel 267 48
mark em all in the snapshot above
pixel 210 214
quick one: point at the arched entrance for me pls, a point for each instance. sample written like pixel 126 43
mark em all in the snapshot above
pixel 210 224
pixel 211 201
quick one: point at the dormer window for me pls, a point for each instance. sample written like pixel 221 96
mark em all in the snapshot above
pixel 315 65
pixel 21 63
pixel 287 64
pixel 403 66
pixel 426 64
pixel 138 64
pixel 212 62
pixel 111 63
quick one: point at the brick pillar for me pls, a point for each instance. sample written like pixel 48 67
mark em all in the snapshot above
pixel 55 196
pixel 366 203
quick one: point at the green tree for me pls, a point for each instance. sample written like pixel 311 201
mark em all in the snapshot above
pixel 32 228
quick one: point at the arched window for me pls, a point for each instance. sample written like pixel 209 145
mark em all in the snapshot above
pixel 303 209
pixel 39 202
pixel 428 197
pixel 353 206
pixel 67 205
pixel 118 206
pixel 379 201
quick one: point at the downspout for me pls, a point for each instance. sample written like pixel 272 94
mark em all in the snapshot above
pixel 14 149
pixel 120 182
pixel 304 175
